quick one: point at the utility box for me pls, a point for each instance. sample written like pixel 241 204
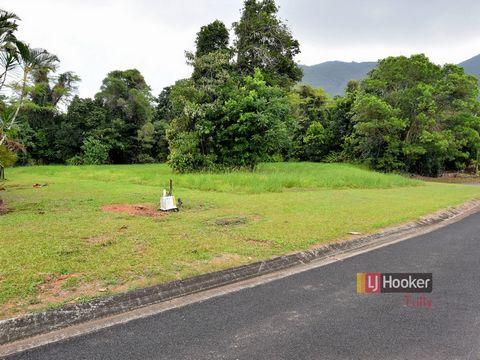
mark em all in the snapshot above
pixel 168 203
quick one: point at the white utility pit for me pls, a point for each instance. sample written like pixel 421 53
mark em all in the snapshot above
pixel 168 203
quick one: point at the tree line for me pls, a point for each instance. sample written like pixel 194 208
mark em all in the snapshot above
pixel 242 105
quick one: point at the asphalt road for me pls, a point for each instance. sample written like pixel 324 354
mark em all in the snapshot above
pixel 317 314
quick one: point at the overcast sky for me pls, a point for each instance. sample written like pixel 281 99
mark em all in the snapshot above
pixel 93 37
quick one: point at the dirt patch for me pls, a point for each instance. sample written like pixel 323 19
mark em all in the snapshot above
pixel 225 259
pixel 53 284
pixel 56 288
pixel 103 240
pixel 231 221
pixel 55 291
pixel 257 242
pixel 132 209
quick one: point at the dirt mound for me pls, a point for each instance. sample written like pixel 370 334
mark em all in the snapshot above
pixel 132 209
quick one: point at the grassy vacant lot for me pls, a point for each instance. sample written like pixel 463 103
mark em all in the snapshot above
pixel 57 245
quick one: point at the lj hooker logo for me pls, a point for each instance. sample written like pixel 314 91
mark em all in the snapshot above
pixel 376 283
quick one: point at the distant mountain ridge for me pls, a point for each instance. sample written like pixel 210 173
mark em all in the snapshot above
pixel 472 65
pixel 333 76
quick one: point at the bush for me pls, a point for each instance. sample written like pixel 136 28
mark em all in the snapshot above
pixel 75 160
pixel 7 158
pixel 94 152
pixel 185 154
pixel 316 142
pixel 144 159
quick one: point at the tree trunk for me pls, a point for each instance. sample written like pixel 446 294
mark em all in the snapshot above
pixel 2 173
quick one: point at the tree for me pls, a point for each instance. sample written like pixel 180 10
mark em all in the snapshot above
pixel 433 112
pixel 310 108
pixel 340 121
pixel 376 137
pixel 211 49
pixel 30 61
pixel 127 99
pixel 162 117
pixel 94 152
pixel 11 48
pixel 227 125
pixel 254 126
pixel 7 158
pixel 85 118
pixel 196 106
pixel 265 42
pixel 211 37
pixel 41 117
pixel 20 62
pixel 231 115
pixel 50 91
pixel 316 142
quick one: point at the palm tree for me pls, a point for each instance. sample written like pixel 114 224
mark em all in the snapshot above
pixel 10 46
pixel 18 57
pixel 30 60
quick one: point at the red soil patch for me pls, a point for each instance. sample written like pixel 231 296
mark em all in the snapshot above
pixel 52 284
pixel 131 209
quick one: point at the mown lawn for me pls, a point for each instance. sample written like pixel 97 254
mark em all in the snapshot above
pixel 57 245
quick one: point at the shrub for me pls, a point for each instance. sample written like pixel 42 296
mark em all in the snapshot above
pixel 94 152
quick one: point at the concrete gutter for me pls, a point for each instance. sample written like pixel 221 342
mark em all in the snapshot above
pixel 29 325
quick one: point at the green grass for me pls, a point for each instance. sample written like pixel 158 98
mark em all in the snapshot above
pixel 57 244
pixel 270 177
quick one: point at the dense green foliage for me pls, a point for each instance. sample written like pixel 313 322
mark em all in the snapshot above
pixel 416 116
pixel 126 97
pixel 239 125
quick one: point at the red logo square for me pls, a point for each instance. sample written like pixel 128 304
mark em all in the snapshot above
pixel 373 283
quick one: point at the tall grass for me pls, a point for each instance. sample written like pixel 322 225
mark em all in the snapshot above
pixel 268 177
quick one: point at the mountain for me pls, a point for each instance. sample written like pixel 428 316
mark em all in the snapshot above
pixel 333 76
pixel 472 66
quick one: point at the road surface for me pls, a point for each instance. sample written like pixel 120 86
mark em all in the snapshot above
pixel 317 314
